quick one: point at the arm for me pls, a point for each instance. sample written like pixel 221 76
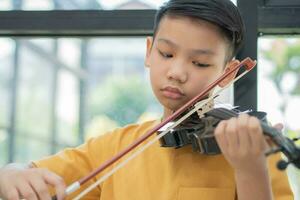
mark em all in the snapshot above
pixel 242 142
pixel 32 181
pixel 255 185
pixel 24 181
pixel 72 164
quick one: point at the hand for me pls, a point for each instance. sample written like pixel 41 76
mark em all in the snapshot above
pixel 279 127
pixel 18 182
pixel 243 144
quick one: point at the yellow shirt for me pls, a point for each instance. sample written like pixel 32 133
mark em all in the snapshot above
pixel 157 174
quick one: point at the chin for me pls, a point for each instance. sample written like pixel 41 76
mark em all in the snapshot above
pixel 172 105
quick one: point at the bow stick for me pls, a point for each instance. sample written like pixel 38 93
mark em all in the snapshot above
pixel 196 102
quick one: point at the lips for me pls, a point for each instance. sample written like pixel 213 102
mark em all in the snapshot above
pixel 172 93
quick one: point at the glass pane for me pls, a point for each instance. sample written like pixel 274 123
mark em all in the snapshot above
pixel 5 5
pixel 279 80
pixel 131 4
pixel 79 4
pixel 73 47
pixel 117 77
pixel 34 102
pixel 279 69
pixel 48 89
pixel 38 5
pixel 82 4
pixel 3 147
pixel 31 147
pixel 67 109
pixel 6 72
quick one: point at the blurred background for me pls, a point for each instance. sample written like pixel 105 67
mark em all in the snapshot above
pixel 60 86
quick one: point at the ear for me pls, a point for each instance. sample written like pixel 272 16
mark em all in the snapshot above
pixel 229 66
pixel 149 43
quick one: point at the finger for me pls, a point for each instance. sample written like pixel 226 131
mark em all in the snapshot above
pixel 270 141
pixel 279 126
pixel 231 134
pixel 244 138
pixel 220 136
pixel 255 132
pixel 55 181
pixel 26 191
pixel 40 188
pixel 11 193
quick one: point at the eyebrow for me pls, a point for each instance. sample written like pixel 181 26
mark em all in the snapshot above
pixel 167 41
pixel 193 51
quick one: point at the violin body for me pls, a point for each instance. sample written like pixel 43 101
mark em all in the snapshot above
pixel 199 132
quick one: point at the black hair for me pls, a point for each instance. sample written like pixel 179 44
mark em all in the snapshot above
pixel 222 13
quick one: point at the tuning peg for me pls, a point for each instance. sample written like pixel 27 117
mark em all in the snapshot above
pixel 282 164
pixel 296 139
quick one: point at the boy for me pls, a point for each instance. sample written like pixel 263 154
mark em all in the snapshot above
pixel 194 42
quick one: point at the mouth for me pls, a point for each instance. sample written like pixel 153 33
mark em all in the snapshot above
pixel 172 93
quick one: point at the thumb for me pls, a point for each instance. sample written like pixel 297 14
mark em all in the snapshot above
pixel 279 126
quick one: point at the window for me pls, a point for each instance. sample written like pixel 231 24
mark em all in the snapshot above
pixel 6 60
pixel 278 78
pixel 79 4
pixel 3 146
pixel 69 89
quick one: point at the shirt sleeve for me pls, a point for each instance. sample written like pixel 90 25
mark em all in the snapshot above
pixel 72 164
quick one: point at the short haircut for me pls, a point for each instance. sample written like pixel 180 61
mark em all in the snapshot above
pixel 222 13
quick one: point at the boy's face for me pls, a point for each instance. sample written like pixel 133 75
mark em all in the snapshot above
pixel 185 57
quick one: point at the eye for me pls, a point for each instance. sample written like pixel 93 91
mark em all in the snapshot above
pixel 165 55
pixel 200 64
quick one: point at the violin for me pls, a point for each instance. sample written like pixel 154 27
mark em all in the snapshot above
pixel 202 105
pixel 199 133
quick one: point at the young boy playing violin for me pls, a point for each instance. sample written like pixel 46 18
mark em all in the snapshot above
pixel 194 42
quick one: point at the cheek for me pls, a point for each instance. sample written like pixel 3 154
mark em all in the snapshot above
pixel 152 78
pixel 155 75
pixel 201 81
pixel 157 67
pixel 199 86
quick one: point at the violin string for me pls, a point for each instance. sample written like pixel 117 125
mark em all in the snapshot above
pixel 139 151
pixel 223 105
pixel 142 148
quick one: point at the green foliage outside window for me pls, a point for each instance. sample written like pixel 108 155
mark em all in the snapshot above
pixel 123 99
pixel 284 55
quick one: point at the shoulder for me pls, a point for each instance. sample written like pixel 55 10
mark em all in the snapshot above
pixel 127 133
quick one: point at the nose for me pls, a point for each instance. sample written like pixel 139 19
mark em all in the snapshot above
pixel 178 72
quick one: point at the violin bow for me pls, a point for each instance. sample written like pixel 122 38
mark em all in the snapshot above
pixel 191 106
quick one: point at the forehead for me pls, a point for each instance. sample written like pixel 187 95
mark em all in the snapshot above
pixel 191 33
pixel 190 26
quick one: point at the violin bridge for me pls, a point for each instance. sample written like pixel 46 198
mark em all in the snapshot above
pixel 202 109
